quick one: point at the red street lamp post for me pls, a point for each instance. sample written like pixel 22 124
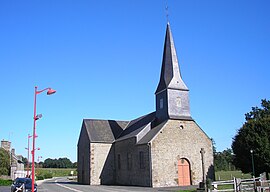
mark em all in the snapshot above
pixel 36 117
pixel 28 149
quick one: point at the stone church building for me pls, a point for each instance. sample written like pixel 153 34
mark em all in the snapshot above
pixel 163 148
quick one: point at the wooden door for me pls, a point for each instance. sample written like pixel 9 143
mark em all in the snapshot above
pixel 183 172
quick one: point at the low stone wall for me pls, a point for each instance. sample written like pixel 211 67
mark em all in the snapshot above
pixel 6 177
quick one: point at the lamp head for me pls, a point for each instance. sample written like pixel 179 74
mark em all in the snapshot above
pixel 38 116
pixel 50 91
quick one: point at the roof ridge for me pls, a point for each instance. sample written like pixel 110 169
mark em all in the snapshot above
pixel 126 126
pixel 105 120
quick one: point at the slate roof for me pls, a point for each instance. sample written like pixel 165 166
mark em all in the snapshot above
pixel 104 131
pixel 136 126
pixel 152 133
pixel 108 131
pixel 170 76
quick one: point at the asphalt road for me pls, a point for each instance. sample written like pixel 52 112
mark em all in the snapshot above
pixel 4 189
pixel 64 185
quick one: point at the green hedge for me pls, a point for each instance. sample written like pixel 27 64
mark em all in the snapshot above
pixel 40 177
pixel 48 175
pixel 4 182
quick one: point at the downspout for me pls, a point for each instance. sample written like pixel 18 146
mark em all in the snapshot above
pixel 150 165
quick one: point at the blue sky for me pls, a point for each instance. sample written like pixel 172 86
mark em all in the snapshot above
pixel 104 60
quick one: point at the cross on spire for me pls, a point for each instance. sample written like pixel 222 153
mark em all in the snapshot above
pixel 167 13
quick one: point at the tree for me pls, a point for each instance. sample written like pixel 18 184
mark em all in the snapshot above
pixel 40 164
pixel 58 163
pixel 214 146
pixel 74 165
pixel 223 161
pixel 50 163
pixel 24 160
pixel 4 162
pixel 254 135
pixel 64 163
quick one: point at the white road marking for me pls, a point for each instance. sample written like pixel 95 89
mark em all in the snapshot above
pixel 76 190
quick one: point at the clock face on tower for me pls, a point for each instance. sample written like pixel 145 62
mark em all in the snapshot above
pixel 178 102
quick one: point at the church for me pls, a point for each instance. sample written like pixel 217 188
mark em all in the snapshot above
pixel 163 148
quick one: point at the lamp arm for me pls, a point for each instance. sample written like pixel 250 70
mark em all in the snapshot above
pixel 38 92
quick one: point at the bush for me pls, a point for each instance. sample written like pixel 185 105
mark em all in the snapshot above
pixel 40 177
pixel 4 182
pixel 3 171
pixel 47 175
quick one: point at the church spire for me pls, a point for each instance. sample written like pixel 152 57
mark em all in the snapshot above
pixel 172 95
pixel 170 73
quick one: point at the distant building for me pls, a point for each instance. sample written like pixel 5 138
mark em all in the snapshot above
pixel 6 145
pixel 16 164
pixel 163 148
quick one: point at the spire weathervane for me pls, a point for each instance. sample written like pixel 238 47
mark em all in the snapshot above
pixel 167 12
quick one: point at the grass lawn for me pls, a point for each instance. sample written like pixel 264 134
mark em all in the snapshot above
pixel 228 175
pixel 45 173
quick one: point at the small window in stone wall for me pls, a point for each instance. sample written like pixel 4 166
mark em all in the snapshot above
pixel 181 126
pixel 161 103
pixel 119 161
pixel 129 161
pixel 141 156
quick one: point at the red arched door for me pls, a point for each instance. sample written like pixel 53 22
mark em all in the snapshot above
pixel 183 172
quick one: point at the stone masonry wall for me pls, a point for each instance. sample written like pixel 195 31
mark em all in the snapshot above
pixel 83 158
pixel 132 163
pixel 180 139
pixel 101 157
